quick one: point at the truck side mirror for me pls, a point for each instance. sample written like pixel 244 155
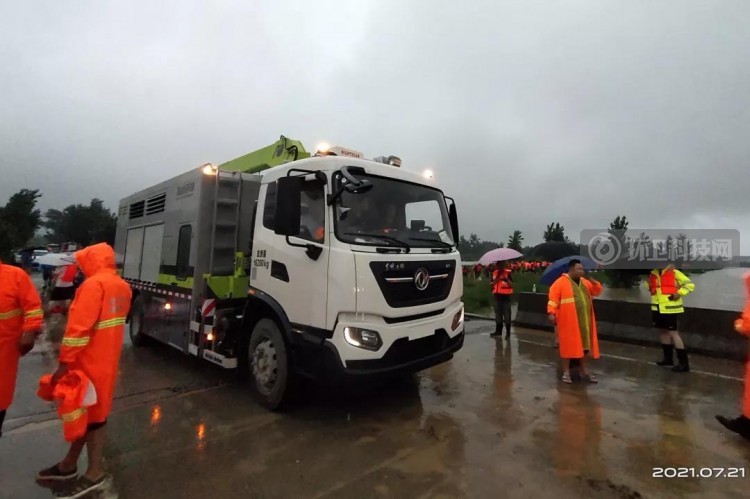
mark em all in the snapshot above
pixel 453 217
pixel 288 206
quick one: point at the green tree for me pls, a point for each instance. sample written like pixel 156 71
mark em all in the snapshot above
pixel 624 278
pixel 473 248
pixel 515 241
pixel 81 224
pixel 19 221
pixel 555 232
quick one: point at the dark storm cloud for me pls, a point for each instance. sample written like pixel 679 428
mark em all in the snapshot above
pixel 529 112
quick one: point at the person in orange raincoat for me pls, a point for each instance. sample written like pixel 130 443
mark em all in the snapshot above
pixel 741 424
pixel 21 319
pixel 571 309
pixel 92 344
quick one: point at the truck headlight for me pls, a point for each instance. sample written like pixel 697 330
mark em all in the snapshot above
pixel 363 338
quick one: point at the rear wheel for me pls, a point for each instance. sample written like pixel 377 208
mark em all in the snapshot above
pixel 137 337
pixel 268 362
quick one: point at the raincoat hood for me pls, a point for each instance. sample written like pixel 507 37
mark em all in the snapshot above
pixel 97 258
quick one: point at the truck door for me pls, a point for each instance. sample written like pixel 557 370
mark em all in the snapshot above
pixel 133 251
pixel 285 271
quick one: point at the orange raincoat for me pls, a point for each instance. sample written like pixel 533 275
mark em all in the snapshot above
pixel 70 393
pixel 20 312
pixel 742 325
pixel 562 305
pixel 96 325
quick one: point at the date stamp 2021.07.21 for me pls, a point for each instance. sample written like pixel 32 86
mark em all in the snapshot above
pixel 699 473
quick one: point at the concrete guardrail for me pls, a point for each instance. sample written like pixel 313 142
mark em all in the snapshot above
pixel 706 331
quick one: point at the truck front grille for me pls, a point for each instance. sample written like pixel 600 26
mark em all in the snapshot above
pixel 398 281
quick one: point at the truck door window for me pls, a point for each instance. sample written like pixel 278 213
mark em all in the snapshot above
pixel 313 212
pixel 269 208
pixel 183 252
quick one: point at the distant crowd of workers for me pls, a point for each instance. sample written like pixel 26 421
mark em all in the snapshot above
pixel 83 384
pixel 478 270
pixel 570 310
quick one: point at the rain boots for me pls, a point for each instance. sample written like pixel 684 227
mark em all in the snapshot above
pixel 507 331
pixel 683 365
pixel 668 355
pixel 498 330
pixel 739 425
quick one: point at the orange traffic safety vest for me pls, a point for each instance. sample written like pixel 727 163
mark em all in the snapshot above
pixel 667 283
pixel 502 287
pixel 73 393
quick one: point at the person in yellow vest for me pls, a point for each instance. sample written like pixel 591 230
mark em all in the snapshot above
pixel 502 290
pixel 667 287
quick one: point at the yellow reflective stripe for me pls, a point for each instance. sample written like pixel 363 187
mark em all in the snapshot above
pixel 118 321
pixel 10 314
pixel 567 300
pixel 37 312
pixel 76 342
pixel 552 304
pixel 73 415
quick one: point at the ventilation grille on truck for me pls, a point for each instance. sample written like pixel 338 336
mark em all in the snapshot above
pixel 156 204
pixel 136 210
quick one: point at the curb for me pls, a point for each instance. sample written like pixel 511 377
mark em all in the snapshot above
pixel 477 317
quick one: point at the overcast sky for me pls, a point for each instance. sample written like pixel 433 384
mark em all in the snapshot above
pixel 528 111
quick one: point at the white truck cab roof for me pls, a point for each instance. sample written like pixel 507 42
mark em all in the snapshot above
pixel 330 164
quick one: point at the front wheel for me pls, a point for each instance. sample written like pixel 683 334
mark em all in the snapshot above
pixel 268 360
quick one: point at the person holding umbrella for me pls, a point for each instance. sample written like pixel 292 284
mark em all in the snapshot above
pixel 571 309
pixel 501 284
pixel 502 290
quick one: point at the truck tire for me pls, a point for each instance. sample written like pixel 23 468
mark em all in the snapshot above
pixel 268 362
pixel 137 337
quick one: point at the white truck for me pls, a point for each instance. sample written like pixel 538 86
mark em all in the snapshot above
pixel 284 265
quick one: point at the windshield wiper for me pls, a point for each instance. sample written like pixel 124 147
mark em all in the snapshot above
pixel 392 239
pixel 442 244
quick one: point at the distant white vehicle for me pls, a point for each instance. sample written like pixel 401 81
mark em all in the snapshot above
pixel 37 253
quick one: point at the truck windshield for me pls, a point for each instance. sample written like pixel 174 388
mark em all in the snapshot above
pixel 393 213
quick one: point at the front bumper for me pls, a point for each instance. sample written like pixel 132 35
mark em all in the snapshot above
pixel 403 356
pixel 408 346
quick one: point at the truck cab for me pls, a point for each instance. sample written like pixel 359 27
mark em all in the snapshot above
pixel 357 262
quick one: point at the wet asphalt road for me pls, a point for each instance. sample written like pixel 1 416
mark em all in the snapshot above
pixel 493 422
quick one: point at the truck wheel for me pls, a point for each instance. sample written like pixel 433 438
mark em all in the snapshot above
pixel 269 365
pixel 137 337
